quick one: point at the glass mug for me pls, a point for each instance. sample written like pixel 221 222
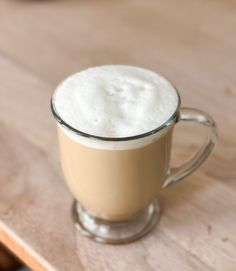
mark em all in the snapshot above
pixel 116 181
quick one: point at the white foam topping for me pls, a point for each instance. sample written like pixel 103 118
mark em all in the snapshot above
pixel 115 101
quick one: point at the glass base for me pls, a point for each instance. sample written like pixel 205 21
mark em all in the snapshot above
pixel 110 232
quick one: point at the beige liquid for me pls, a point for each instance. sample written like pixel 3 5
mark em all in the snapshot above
pixel 115 184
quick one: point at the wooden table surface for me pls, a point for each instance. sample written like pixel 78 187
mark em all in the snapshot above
pixel 193 43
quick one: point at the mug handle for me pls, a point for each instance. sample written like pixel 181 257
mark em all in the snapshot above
pixel 194 115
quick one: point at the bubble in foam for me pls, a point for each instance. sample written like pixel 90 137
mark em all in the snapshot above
pixel 115 101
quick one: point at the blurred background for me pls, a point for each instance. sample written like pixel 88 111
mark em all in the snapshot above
pixel 191 42
pixel 8 262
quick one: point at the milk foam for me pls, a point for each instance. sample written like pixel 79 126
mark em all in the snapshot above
pixel 115 101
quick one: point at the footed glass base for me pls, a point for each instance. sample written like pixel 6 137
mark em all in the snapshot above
pixel 110 232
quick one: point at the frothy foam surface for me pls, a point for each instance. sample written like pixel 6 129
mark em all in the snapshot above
pixel 115 101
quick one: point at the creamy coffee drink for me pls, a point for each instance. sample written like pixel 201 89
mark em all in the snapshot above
pixel 111 170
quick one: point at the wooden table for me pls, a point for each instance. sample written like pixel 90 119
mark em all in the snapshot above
pixel 193 43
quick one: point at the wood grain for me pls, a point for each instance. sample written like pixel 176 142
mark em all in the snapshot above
pixel 193 44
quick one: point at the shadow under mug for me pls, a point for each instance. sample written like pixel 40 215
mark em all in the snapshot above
pixel 116 181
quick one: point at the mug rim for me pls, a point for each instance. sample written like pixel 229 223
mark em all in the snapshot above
pixel 172 119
